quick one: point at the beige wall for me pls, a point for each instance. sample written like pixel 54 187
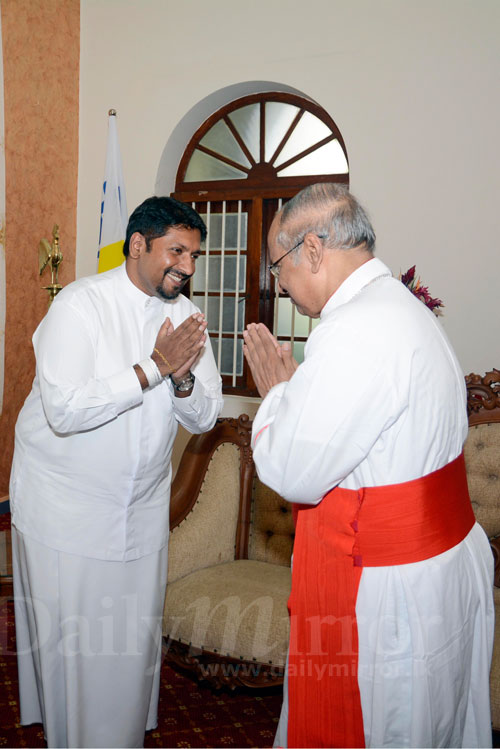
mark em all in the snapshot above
pixel 41 67
pixel 412 84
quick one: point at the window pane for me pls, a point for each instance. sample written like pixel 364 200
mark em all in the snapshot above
pixel 309 130
pixel 298 351
pixel 204 167
pixel 328 159
pixel 214 268
pixel 247 123
pixel 226 366
pixel 279 117
pixel 231 237
pixel 284 327
pixel 219 138
pixel 228 305
pixel 286 318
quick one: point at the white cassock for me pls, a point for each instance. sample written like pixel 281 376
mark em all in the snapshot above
pixel 380 399
pixel 89 494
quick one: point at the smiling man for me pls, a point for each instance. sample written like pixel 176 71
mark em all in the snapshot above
pixel 391 608
pixel 122 358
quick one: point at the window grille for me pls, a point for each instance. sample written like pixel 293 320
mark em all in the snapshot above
pixel 239 168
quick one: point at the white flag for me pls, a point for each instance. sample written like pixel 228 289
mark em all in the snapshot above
pixel 114 214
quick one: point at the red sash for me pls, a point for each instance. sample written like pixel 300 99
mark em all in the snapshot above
pixel 346 531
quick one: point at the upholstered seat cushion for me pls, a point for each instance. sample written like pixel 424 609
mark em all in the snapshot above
pixel 238 609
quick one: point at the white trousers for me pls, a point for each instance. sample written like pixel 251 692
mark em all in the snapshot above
pixel 425 644
pixel 88 637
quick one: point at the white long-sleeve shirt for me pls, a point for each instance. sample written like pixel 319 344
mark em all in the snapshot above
pixel 91 472
pixel 379 399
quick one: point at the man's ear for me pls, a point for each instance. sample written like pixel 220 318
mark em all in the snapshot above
pixel 136 245
pixel 313 247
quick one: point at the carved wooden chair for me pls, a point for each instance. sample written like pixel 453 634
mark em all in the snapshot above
pixel 231 538
pixel 482 457
pixel 225 615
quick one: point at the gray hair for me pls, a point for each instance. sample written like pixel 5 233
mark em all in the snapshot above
pixel 330 211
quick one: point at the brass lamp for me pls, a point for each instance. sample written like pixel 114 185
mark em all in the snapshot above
pixel 50 254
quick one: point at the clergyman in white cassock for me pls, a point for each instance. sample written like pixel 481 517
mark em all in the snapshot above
pixel 372 421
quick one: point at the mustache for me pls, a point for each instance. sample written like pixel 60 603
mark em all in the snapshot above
pixel 184 276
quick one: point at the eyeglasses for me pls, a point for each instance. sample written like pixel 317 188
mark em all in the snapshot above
pixel 274 268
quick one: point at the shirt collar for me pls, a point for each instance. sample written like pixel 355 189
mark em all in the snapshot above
pixel 355 282
pixel 133 292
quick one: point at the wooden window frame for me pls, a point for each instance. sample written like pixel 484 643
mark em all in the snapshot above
pixel 259 192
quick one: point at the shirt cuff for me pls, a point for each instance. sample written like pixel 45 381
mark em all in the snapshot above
pixel 191 403
pixel 126 389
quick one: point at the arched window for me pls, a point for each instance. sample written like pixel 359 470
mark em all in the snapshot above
pixel 240 167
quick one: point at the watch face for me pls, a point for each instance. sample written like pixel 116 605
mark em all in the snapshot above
pixel 185 384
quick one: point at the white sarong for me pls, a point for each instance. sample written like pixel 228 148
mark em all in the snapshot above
pixel 89 644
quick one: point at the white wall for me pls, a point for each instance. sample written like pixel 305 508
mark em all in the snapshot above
pixel 412 84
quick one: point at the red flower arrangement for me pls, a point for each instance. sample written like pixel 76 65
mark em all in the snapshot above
pixel 421 292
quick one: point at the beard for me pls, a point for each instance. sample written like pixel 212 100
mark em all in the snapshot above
pixel 169 295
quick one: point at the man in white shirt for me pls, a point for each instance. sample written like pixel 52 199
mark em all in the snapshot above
pixel 121 359
pixel 391 607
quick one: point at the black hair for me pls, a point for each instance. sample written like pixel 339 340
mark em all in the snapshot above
pixel 156 215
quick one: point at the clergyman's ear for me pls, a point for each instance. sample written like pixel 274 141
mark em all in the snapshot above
pixel 313 247
pixel 136 245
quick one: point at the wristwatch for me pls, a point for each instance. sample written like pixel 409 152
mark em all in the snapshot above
pixel 186 384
